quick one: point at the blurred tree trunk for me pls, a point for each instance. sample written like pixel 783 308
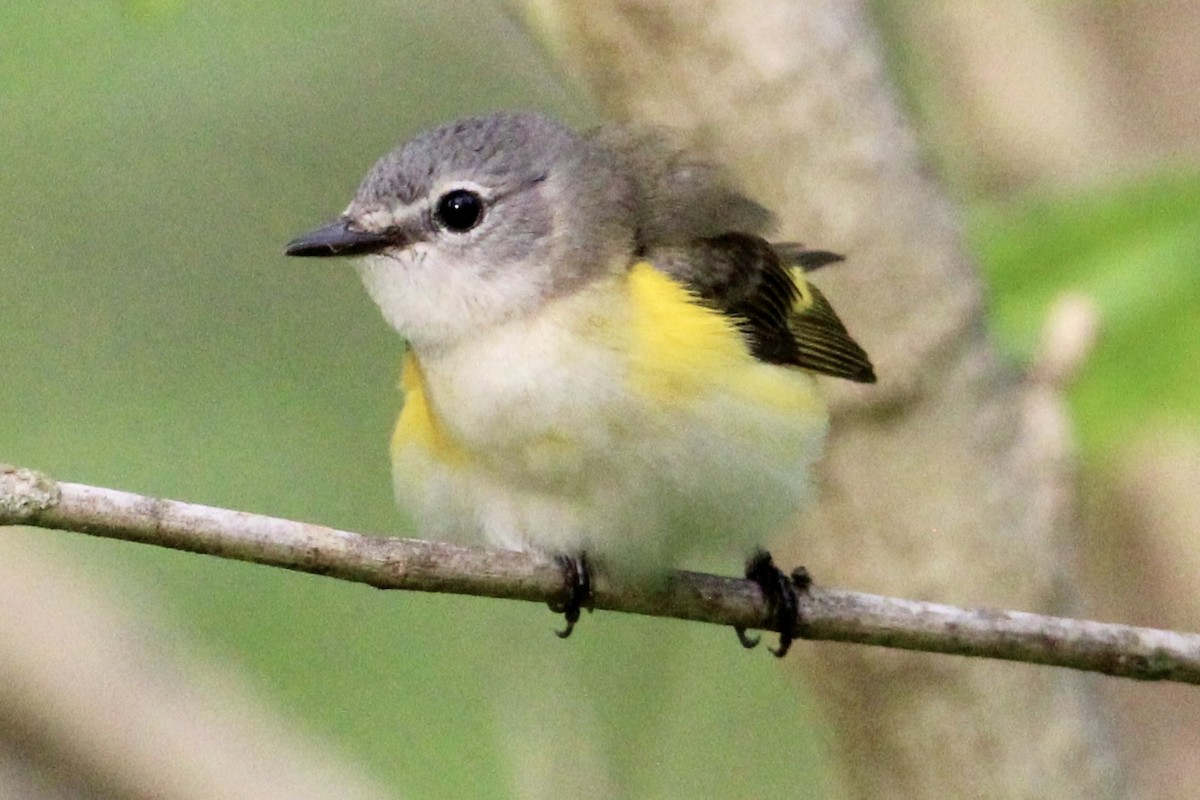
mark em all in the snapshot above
pixel 1068 94
pixel 952 479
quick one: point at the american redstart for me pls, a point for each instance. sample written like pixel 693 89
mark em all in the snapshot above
pixel 606 360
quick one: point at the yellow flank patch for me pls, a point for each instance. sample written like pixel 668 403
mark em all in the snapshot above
pixel 678 344
pixel 418 424
pixel 683 350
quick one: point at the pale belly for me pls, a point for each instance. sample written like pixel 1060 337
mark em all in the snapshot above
pixel 564 438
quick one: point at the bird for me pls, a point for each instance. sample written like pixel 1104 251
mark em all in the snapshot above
pixel 606 360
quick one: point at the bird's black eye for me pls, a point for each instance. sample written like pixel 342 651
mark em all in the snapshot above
pixel 459 210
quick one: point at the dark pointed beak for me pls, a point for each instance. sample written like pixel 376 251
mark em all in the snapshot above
pixel 339 238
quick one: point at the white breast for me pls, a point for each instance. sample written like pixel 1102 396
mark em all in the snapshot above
pixel 567 454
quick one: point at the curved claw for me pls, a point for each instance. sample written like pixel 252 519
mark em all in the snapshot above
pixel 781 593
pixel 565 632
pixel 577 587
pixel 786 608
pixel 748 642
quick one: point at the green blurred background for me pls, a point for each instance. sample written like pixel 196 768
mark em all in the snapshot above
pixel 157 155
pixel 156 158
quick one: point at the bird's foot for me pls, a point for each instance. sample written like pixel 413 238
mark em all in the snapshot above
pixel 782 596
pixel 577 590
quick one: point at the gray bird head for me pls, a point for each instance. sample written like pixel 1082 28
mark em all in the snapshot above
pixel 480 221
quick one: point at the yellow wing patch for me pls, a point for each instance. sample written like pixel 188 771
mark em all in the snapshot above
pixel 804 299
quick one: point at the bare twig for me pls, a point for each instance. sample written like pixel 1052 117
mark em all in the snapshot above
pixel 32 498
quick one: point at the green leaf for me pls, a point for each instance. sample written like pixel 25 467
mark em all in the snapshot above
pixel 1135 249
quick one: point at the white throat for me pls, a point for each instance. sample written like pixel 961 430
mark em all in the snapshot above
pixel 435 301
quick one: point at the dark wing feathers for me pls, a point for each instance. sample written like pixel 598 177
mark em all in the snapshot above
pixel 746 278
pixel 826 346
pixel 810 260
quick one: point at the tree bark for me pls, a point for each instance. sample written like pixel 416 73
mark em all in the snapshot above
pixel 952 479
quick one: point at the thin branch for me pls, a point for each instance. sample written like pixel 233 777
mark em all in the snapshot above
pixel 32 498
